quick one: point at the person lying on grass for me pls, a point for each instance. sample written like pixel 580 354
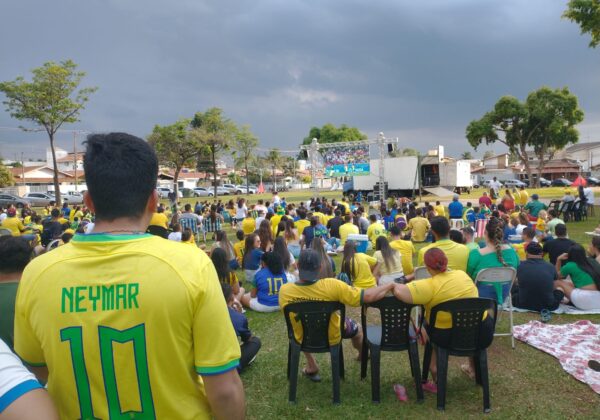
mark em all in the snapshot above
pixel 310 289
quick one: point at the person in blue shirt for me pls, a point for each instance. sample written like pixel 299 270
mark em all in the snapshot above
pixel 455 208
pixel 66 211
pixel 264 295
pixel 388 220
pixel 252 256
pixel 250 343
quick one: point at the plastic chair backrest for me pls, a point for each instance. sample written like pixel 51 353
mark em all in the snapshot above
pixel 467 317
pixel 157 231
pixel 209 226
pixel 53 244
pixel 395 322
pixel 497 277
pixel 315 318
pixel 189 223
pixel 5 232
pixel 421 273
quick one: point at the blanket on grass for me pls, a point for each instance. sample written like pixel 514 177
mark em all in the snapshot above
pixel 572 344
pixel 562 309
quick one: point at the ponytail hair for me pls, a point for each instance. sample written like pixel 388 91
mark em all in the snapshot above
pixel 495 233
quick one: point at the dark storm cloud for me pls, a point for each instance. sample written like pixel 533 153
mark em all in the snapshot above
pixel 417 70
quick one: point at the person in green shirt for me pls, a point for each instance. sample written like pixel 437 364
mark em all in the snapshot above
pixel 584 288
pixel 15 254
pixel 554 220
pixel 534 207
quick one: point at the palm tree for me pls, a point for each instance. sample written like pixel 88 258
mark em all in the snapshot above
pixel 274 160
pixel 245 143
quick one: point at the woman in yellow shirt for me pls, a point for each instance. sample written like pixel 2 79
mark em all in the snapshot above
pixel 358 267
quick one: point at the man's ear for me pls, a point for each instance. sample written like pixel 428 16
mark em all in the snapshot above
pixel 87 200
pixel 152 203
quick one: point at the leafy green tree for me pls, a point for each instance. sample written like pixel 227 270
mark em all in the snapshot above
pixel 216 134
pixel 6 178
pixel 542 124
pixel 489 154
pixel 244 147
pixel 408 151
pixel 50 100
pixel 274 160
pixel 466 155
pixel 329 133
pixel 586 13
pixel 176 145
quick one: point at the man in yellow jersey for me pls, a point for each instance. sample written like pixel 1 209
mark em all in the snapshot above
pixel 346 229
pixel 418 227
pixel 440 209
pixel 523 196
pixel 152 349
pixel 457 254
pixel 248 224
pixel 302 222
pixel 375 229
pixel 276 219
pixel 159 218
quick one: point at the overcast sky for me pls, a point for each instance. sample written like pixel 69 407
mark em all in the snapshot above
pixel 419 70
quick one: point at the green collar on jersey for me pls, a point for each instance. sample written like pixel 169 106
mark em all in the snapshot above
pixel 109 237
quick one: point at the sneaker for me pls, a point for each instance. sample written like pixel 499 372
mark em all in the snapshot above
pixel 400 392
pixel 430 387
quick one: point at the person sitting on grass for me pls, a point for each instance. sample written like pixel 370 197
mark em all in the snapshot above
pixel 583 289
pixel 469 238
pixel 418 227
pixel 527 236
pixel 238 247
pixel 444 285
pixel 310 288
pixel 252 255
pixel 535 288
pixel 357 266
pixel 226 274
pixel 458 254
pixel 263 296
pixel 250 343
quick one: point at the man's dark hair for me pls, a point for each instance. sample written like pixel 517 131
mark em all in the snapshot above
pixel 239 234
pixel 560 229
pixel 440 226
pixel 373 218
pixel 553 213
pixel 187 207
pixel 120 173
pixel 395 230
pixel 55 213
pixel 15 254
pixel 528 232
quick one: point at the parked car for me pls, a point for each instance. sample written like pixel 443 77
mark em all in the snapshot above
pixel 545 182
pixel 231 188
pixel 11 199
pixel 38 199
pixel 242 189
pixel 510 183
pixel 593 182
pixel 223 191
pixel 561 182
pixel 72 197
pixel 486 183
pixel 203 192
pixel 163 192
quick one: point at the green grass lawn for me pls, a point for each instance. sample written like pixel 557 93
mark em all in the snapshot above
pixel 524 383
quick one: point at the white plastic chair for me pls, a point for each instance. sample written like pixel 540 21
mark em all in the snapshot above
pixel 5 232
pixel 497 277
pixel 421 273
pixel 457 224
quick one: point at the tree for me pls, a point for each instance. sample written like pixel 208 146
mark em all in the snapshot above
pixel 586 13
pixel 176 145
pixel 6 178
pixel 329 133
pixel 274 160
pixel 409 152
pixel 216 134
pixel 50 100
pixel 489 154
pixel 466 155
pixel 244 147
pixel 545 122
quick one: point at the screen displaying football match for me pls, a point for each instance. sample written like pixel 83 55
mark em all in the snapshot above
pixel 346 160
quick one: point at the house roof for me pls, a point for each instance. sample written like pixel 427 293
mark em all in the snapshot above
pixel 69 157
pixel 583 146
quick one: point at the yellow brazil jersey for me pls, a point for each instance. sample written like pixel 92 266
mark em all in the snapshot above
pixel 117 342
pixel 301 224
pixel 440 288
pixel 523 197
pixel 13 224
pixel 458 254
pixel 407 250
pixel 347 229
pixel 159 219
pixel 248 225
pixel 346 207
pixel 275 222
pixel 374 231
pixel 321 290
pixel 238 248
pixel 520 249
pixel 419 226
pixel 440 210
pixel 321 217
pixel 363 276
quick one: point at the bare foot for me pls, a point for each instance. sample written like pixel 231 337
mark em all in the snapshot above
pixel 466 369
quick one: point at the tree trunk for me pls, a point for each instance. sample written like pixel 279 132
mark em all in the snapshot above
pixel 274 180
pixel 55 170
pixel 525 158
pixel 175 180
pixel 247 177
pixel 214 164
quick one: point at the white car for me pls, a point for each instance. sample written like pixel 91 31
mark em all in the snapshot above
pixel 514 183
pixel 486 183
pixel 224 191
pixel 163 192
pixel 203 192
pixel 38 199
pixel 242 189
pixel 231 188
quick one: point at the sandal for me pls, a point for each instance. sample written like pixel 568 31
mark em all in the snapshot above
pixel 313 376
pixel 594 365
pixel 546 316
pixel 429 387
pixel 400 392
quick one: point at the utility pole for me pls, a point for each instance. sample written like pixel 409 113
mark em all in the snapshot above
pixel 314 147
pixel 75 157
pixel 23 170
pixel 382 146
